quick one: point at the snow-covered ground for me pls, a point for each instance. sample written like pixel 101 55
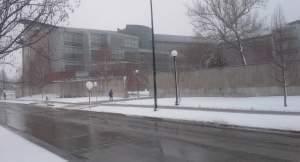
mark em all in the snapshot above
pixel 80 99
pixel 279 122
pixel 273 103
pixel 144 93
pixel 14 148
pixel 18 101
pixel 56 98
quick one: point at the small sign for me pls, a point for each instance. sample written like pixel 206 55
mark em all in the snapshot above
pixel 89 85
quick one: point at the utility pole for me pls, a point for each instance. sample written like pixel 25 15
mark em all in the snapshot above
pixel 154 58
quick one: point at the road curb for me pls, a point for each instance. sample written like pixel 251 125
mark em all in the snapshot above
pixel 207 124
pixel 233 127
pixel 211 125
pixel 261 112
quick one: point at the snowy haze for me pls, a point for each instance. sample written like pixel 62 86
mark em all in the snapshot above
pixel 170 17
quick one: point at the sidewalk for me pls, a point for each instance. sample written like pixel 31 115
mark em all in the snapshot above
pixel 280 122
pixel 254 105
pixel 205 109
pixel 14 148
pixel 72 101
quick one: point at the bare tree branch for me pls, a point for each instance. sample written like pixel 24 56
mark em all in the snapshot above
pixel 30 20
pixel 227 21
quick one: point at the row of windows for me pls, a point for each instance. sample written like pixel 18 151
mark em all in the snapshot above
pixel 73 37
pixel 99 37
pixel 97 45
pixel 73 44
pixel 131 43
pixel 74 67
pixel 73 50
pixel 99 40
pixel 71 56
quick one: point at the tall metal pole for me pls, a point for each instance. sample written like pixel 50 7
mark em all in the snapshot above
pixel 23 73
pixel 154 59
pixel 176 82
pixel 137 87
pixel 89 97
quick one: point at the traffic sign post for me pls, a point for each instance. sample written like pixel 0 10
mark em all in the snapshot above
pixel 89 85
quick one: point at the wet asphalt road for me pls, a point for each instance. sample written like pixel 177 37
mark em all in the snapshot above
pixel 97 137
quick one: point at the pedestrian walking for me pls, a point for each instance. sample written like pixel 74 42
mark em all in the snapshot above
pixel 4 95
pixel 111 95
pixel 47 99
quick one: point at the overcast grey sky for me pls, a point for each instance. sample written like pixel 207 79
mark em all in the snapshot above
pixel 170 15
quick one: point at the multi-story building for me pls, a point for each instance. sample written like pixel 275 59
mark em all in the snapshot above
pixel 82 50
pixel 79 51
pixel 82 54
pixel 75 52
pixel 96 52
pixel 164 44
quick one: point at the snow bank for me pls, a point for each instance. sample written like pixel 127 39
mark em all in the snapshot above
pixel 280 122
pixel 56 98
pixel 16 149
pixel 273 103
pixel 17 102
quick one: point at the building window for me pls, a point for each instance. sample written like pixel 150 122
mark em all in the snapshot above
pixel 73 68
pixel 73 39
pixel 99 40
pixel 118 54
pixel 131 43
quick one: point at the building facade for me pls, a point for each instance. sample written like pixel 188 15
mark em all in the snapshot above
pixel 73 53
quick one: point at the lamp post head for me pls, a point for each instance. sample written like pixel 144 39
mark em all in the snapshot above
pixel 89 85
pixel 95 84
pixel 137 71
pixel 174 53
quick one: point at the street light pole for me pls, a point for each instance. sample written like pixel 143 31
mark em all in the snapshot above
pixel 154 58
pixel 89 85
pixel 96 87
pixel 174 53
pixel 137 83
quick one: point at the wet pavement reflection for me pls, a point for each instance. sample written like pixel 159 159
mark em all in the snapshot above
pixel 97 137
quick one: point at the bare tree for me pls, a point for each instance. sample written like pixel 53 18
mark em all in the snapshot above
pixel 204 55
pixel 20 19
pixel 3 79
pixel 227 21
pixel 39 69
pixel 284 49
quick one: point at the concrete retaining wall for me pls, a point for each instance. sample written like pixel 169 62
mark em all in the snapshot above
pixel 78 88
pixel 258 80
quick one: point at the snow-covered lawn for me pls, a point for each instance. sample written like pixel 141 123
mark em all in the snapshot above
pixel 55 98
pixel 79 99
pixel 14 148
pixel 144 93
pixel 279 122
pixel 273 103
pixel 17 101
